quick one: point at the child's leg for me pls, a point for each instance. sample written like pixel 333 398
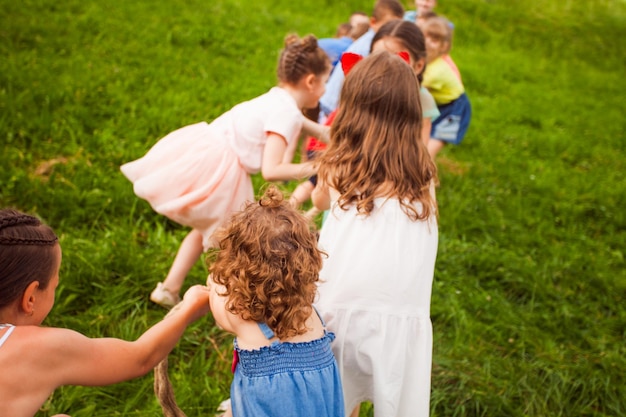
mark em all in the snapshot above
pixel 301 194
pixel 355 412
pixel 188 254
pixel 434 146
pixel 225 406
pixel 451 124
pixel 312 213
pixel 426 129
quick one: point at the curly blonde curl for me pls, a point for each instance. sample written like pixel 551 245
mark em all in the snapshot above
pixel 268 262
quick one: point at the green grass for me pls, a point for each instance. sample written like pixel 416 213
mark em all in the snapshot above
pixel 529 289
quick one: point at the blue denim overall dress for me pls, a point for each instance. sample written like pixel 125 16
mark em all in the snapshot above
pixel 287 379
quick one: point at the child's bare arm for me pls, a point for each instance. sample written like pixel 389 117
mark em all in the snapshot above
pixel 426 127
pixel 273 165
pixel 290 152
pixel 321 196
pixel 316 130
pixel 78 360
pixel 223 318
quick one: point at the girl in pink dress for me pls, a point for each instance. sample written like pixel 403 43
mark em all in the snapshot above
pixel 199 174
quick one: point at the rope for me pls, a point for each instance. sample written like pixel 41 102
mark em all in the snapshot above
pixel 163 388
pixel 165 392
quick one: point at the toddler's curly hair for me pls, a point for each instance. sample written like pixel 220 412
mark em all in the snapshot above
pixel 268 261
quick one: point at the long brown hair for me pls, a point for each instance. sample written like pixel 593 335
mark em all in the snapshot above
pixel 375 148
pixel 269 263
pixel 26 254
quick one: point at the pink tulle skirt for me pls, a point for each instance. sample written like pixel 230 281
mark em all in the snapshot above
pixel 193 178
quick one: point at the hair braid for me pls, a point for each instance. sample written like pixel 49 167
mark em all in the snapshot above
pixel 163 388
pixel 13 219
pixel 18 218
pixel 27 254
pixel 300 57
pixel 165 392
pixel 10 240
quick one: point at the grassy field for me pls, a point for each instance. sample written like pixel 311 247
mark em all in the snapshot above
pixel 528 300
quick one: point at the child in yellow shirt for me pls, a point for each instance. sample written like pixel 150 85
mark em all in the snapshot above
pixel 445 86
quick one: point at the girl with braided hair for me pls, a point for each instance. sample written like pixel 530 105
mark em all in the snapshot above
pixel 263 282
pixel 199 174
pixel 30 258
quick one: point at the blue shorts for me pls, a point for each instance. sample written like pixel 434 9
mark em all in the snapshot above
pixel 453 121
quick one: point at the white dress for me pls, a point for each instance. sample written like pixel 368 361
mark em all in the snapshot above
pixel 374 294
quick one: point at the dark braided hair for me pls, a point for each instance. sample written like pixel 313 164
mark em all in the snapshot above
pixel 301 57
pixel 26 254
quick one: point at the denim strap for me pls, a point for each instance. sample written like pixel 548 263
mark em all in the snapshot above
pixel 269 333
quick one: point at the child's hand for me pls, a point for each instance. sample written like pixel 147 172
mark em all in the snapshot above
pixel 321 196
pixel 196 298
pixel 324 135
pixel 307 169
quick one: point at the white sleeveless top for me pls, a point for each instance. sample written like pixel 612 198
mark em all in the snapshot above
pixel 7 333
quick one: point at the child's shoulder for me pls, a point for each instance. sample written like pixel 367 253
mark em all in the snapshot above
pixel 441 69
pixel 410 15
pixel 438 63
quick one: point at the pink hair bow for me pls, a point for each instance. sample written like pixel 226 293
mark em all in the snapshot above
pixel 349 60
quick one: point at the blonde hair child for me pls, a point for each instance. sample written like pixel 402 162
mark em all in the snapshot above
pixel 446 86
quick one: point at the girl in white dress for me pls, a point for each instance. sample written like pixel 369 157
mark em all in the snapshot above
pixel 381 237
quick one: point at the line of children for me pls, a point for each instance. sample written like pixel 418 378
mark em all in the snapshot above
pixel 384 11
pixel 379 184
pixel 394 36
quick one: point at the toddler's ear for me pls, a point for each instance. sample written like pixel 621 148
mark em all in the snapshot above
pixel 445 48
